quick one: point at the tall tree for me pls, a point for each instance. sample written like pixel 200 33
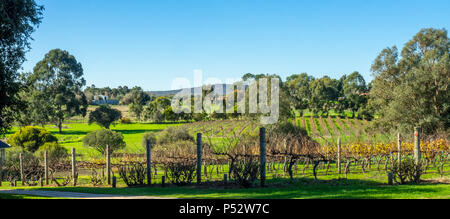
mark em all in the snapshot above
pixel 18 20
pixel 104 116
pixel 59 79
pixel 354 89
pixel 413 90
pixel 299 88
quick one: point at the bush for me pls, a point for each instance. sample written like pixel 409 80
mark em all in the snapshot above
pixel 100 138
pixel 408 171
pixel 31 138
pixel 246 171
pixel 125 121
pixel 104 116
pixel 56 154
pixel 181 173
pixel 178 159
pixel 174 134
pixel 133 173
pixel 33 171
pixel 148 137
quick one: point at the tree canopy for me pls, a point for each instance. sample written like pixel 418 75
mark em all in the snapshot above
pixel 18 20
pixel 412 89
pixel 57 81
pixel 104 116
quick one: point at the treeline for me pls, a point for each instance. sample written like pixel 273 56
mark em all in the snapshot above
pixel 410 87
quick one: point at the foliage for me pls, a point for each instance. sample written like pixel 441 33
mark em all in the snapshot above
pixel 181 173
pixel 58 80
pixel 407 171
pixel 101 138
pixel 56 154
pixel 18 20
pixel 178 159
pixel 33 170
pixel 148 137
pixel 104 116
pixel 125 120
pixel 174 134
pixel 133 173
pixel 415 84
pixel 31 138
pixel 137 100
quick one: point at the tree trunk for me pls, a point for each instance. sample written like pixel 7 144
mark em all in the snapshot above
pixel 60 126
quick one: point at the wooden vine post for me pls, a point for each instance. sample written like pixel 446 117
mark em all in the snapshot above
pixel 74 168
pixel 108 164
pixel 199 158
pixel 46 168
pixel 149 162
pixel 262 155
pixel 22 174
pixel 399 150
pixel 339 142
pixel 417 153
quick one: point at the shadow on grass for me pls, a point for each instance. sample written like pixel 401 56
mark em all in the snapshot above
pixel 282 189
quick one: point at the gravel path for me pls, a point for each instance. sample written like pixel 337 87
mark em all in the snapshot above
pixel 72 195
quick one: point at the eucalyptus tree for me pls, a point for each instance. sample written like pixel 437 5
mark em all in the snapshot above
pixel 354 89
pixel 18 20
pixel 58 79
pixel 412 89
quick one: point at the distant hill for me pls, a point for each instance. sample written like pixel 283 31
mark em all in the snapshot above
pixel 173 92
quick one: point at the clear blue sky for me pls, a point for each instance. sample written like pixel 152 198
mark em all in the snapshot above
pixel 149 43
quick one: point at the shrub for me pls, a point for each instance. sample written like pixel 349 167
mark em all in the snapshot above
pixel 31 138
pixel 174 134
pixel 179 161
pixel 246 171
pixel 182 172
pixel 100 138
pixel 133 173
pixel 104 116
pixel 125 120
pixel 56 154
pixel 148 137
pixel 408 171
pixel 33 171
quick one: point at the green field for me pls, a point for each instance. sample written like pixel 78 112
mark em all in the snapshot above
pixel 73 134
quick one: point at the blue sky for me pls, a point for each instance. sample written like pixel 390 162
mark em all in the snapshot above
pixel 150 43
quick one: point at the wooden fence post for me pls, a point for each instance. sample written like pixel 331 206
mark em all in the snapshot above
pixel 22 174
pixel 149 162
pixel 390 179
pixel 199 158
pixel 262 155
pixel 417 153
pixel 108 164
pixel 399 150
pixel 339 142
pixel 74 167
pixel 114 182
pixel 1 165
pixel 46 168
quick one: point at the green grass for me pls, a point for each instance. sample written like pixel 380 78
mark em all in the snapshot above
pixel 358 185
pixel 73 134
pixel 13 196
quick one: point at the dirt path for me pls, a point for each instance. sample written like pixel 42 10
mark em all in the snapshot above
pixel 72 195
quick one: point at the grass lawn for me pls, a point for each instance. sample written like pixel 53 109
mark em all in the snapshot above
pixel 358 185
pixel 73 134
pixel 285 189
